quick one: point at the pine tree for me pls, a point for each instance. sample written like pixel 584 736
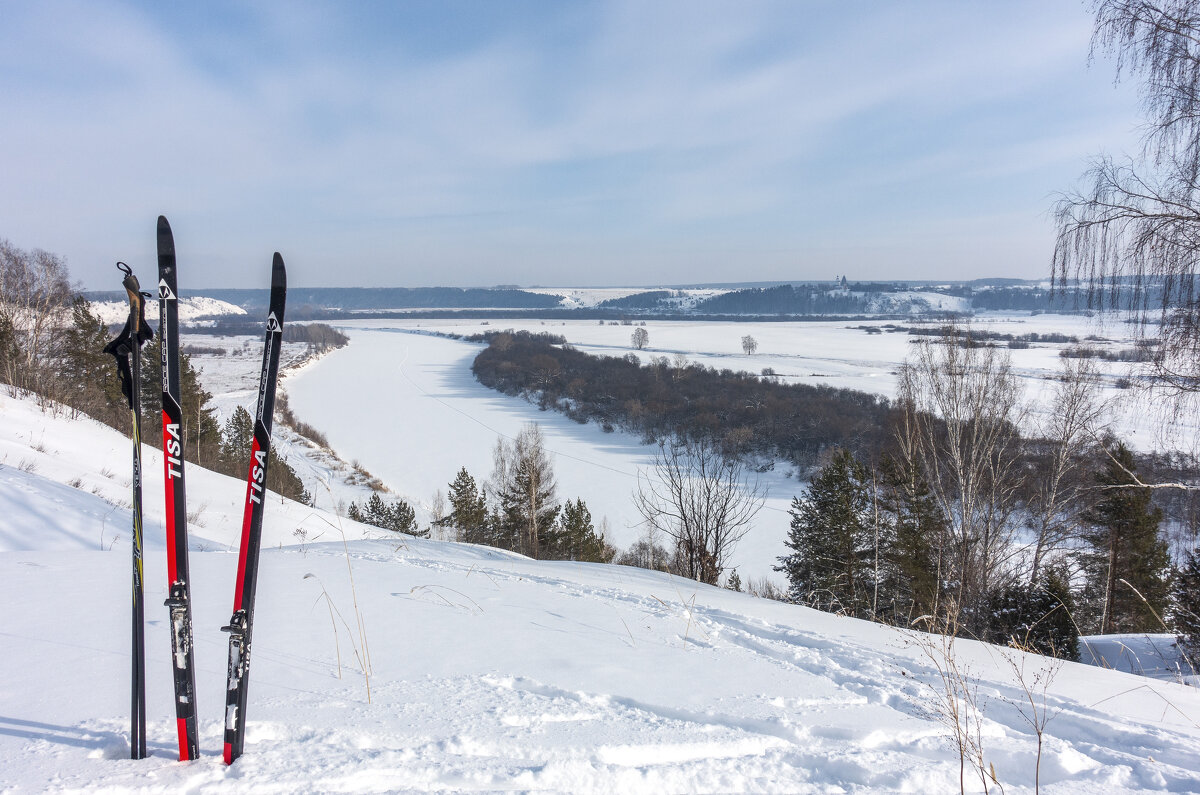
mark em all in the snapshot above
pixel 1185 607
pixel 734 583
pixel 399 516
pixel 201 430
pixel 237 437
pixel 1037 618
pixel 1127 564
pixel 575 537
pixel 468 509
pixel 95 387
pixel 832 539
pixel 916 543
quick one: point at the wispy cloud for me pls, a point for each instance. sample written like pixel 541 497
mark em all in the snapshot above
pixel 631 141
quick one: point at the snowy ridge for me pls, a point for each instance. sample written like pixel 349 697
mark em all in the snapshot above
pixel 189 309
pixel 490 671
pixel 588 297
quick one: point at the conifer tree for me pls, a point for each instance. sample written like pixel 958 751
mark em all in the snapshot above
pixel 575 537
pixel 1038 617
pixel 915 552
pixel 468 513
pixel 1127 562
pixel 399 517
pixel 97 390
pixel 201 430
pixel 832 541
pixel 237 436
pixel 1185 607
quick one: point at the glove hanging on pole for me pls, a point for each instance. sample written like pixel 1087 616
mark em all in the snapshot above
pixel 124 345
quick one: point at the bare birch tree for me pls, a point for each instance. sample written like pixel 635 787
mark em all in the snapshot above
pixel 1133 230
pixel 1076 416
pixel 35 302
pixel 699 499
pixel 962 404
pixel 523 481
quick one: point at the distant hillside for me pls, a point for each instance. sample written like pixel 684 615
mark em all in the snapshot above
pixel 775 301
pixel 378 298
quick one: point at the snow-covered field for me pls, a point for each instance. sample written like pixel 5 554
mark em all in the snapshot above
pixel 405 405
pixel 491 672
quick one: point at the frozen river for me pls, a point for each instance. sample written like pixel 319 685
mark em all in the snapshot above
pixel 404 404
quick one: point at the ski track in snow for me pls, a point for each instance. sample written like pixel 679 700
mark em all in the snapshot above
pixel 533 716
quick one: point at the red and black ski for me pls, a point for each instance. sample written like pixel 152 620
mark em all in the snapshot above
pixel 242 623
pixel 179 598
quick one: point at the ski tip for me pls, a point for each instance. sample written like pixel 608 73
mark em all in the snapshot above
pixel 166 242
pixel 278 271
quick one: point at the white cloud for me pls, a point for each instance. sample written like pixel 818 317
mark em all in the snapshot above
pixel 662 128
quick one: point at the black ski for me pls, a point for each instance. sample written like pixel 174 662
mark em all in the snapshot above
pixel 179 598
pixel 126 349
pixel 242 623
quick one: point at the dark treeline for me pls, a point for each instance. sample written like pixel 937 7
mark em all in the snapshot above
pixel 747 415
pixel 785 299
pixel 320 336
pixel 652 299
pixel 982 336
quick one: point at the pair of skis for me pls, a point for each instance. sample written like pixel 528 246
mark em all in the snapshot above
pixel 126 350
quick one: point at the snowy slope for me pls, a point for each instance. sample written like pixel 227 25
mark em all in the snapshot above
pixel 490 671
pixel 189 309
pixel 917 302
pixel 588 297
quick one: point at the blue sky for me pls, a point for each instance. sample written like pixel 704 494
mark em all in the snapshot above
pixel 552 143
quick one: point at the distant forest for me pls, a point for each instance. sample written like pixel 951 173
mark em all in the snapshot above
pixel 787 299
pixel 749 416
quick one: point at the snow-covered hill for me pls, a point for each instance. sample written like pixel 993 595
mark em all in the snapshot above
pixel 590 297
pixel 189 309
pixel 489 671
pixel 917 303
